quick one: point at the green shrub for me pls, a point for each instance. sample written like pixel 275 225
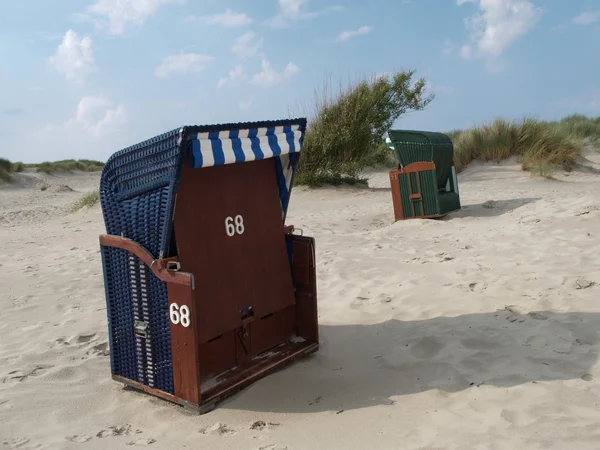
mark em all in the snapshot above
pixel 5 169
pixel 6 165
pixel 4 175
pixel 45 167
pixel 346 131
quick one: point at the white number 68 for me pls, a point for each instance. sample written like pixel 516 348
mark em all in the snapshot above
pixel 233 226
pixel 179 315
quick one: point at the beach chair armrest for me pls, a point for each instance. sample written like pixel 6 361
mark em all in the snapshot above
pixel 159 267
pixel 420 166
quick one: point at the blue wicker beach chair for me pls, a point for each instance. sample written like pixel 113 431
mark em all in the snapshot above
pixel 207 289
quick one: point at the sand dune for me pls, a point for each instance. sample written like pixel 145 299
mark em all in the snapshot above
pixel 477 331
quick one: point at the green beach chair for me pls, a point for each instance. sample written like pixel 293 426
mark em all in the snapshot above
pixel 425 184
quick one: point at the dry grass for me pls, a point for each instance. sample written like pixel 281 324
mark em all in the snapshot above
pixel 4 175
pixel 87 201
pixel 541 147
pixel 6 168
pixel 69 165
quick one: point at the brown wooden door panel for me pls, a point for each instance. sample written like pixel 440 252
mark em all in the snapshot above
pixel 235 272
pixel 305 277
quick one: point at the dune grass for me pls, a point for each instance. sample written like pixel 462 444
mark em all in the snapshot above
pixel 541 147
pixel 69 165
pixel 4 175
pixel 87 201
pixel 6 167
pixel 346 126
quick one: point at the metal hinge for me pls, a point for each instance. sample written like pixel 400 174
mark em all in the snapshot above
pixel 141 328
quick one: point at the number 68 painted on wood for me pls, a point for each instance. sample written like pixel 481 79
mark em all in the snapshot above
pixel 179 315
pixel 230 229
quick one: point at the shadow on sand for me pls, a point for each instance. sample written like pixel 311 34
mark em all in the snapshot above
pixel 360 366
pixel 490 208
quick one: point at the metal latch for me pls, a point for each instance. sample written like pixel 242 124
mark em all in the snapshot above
pixel 173 266
pixel 141 328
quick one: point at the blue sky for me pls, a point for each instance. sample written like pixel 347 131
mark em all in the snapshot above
pixel 85 78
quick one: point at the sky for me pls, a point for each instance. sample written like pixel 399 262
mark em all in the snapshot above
pixel 86 78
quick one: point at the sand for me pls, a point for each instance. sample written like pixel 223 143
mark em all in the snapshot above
pixel 479 331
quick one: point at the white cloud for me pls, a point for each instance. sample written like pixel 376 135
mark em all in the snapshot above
pixel 247 45
pixel 96 129
pixel 290 70
pixel 116 14
pixel 465 52
pixel 229 19
pixel 235 74
pixel 497 25
pixel 345 35
pixel 587 18
pixel 74 57
pixel 269 77
pixel 95 116
pixel 182 64
pixel 293 10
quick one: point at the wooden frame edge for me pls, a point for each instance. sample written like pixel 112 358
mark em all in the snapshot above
pixel 156 265
pixel 155 392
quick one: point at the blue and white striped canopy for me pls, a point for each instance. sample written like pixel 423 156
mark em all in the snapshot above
pixel 236 146
pixel 232 146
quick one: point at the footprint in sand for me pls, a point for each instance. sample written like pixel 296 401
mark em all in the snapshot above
pixel 414 260
pixel 16 443
pixel 117 430
pixel 425 348
pixel 99 350
pixel 514 315
pixel 78 439
pixel 366 301
pixel 84 338
pixel 537 315
pixel 587 210
pixel 258 425
pixel 316 400
pixel 22 375
pixel 144 441
pixel 59 342
pixel 21 302
pixel 444 257
pixel 218 429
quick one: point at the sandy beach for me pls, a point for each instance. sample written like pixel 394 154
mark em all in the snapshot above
pixel 478 331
